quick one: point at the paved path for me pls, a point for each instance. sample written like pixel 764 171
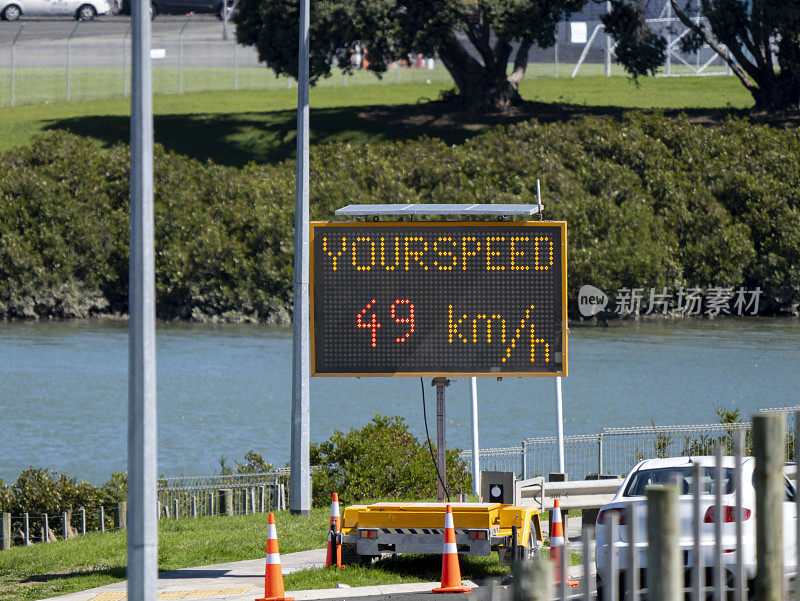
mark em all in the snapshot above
pixel 244 581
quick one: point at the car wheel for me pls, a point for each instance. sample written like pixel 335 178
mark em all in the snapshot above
pixel 86 13
pixel 12 12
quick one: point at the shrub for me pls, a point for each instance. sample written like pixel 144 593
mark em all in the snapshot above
pixel 649 201
pixel 381 460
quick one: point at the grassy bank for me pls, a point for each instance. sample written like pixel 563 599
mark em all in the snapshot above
pixel 96 559
pixel 233 128
pixel 46 570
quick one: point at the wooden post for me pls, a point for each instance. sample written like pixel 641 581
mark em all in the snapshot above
pixel 122 515
pixel 65 524
pixel 768 440
pixel 664 565
pixel 175 508
pixel 5 531
pixel 226 501
pixel 533 580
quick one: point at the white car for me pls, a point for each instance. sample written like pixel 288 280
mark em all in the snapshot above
pixel 679 469
pixel 85 10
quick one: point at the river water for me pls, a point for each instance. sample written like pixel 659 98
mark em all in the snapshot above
pixel 226 389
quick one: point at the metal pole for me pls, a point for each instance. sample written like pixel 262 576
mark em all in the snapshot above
pixel 69 40
pixel 608 44
pixel 300 480
pixel 633 557
pixel 611 577
pixel 719 581
pixel 663 551
pixel 235 68
pixel 83 520
pixel 768 440
pixel 26 526
pixel 180 55
pixel 476 450
pixel 102 519
pixel 560 427
pixel 224 9
pixel 441 441
pixel 698 568
pixel 600 454
pixel 13 58
pixel 524 446
pixel 125 62
pixel 587 589
pixel 738 448
pixel 669 38
pixel 142 446
pixel 797 493
pixel 555 52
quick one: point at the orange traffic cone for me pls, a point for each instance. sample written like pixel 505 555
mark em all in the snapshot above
pixel 451 571
pixel 335 528
pixel 273 577
pixel 557 543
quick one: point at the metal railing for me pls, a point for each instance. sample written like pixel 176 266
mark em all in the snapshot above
pixel 614 451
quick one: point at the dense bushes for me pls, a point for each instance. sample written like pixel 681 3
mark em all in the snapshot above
pixel 649 202
pixel 382 460
pixel 39 491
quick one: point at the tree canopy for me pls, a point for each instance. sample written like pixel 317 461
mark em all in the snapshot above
pixel 758 39
pixel 476 40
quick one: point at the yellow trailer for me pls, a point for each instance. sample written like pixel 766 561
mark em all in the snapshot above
pixel 369 531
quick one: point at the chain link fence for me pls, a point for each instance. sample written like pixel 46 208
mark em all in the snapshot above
pixel 614 451
pixel 46 61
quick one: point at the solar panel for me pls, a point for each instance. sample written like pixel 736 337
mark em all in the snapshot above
pixel 439 209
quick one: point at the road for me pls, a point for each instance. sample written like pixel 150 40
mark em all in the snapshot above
pixel 115 26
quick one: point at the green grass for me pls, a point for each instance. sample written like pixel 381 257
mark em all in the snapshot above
pixel 96 559
pixel 234 128
pixel 62 567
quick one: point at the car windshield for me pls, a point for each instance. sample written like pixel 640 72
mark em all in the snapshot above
pixel 682 475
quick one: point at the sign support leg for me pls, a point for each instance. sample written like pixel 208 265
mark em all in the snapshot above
pixel 476 450
pixel 441 443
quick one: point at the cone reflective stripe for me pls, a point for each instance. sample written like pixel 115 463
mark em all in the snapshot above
pixel 451 571
pixel 556 527
pixel 273 577
pixel 557 542
pixel 335 528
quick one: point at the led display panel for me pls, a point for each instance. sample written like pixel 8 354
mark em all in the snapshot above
pixel 438 299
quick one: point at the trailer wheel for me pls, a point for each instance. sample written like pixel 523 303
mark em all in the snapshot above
pixel 350 556
pixel 533 546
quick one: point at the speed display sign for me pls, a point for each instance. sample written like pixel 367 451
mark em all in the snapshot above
pixel 439 299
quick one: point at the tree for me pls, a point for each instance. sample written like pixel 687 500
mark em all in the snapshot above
pixel 749 35
pixel 475 39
